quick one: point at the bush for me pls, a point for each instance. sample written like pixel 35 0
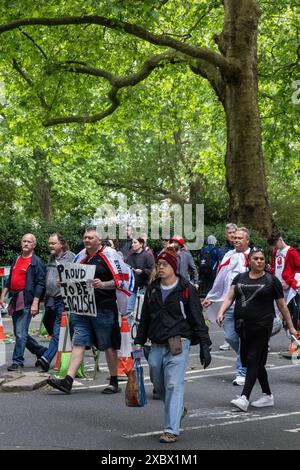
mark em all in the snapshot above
pixel 13 230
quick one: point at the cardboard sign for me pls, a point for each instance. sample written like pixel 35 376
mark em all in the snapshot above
pixel 75 286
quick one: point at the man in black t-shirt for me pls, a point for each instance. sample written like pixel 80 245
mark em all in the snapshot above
pixel 102 330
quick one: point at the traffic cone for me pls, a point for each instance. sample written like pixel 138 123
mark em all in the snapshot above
pixel 42 329
pixel 64 343
pixel 65 350
pixel 2 334
pixel 125 362
pixel 3 337
pixel 3 340
pixel 2 353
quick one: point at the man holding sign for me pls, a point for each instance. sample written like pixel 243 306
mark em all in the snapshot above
pixel 90 327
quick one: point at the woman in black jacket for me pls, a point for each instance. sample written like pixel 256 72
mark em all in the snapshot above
pixel 172 319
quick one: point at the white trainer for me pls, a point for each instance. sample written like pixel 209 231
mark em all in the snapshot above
pixel 225 346
pixel 264 400
pixel 239 380
pixel 241 402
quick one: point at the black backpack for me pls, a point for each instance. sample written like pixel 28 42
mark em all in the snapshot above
pixel 205 261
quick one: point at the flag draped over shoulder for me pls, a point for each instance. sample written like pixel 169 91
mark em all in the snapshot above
pixel 293 292
pixel 231 265
pixel 122 274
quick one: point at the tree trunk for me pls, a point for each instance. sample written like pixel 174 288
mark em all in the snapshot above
pixel 42 186
pixel 245 171
pixel 42 192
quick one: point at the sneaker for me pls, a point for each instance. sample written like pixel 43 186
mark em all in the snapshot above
pixel 239 380
pixel 15 367
pixel 41 362
pixel 225 346
pixel 241 402
pixel 155 395
pixel 168 438
pixel 264 400
pixel 60 384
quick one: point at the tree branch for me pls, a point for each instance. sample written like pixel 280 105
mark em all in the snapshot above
pixel 157 39
pixel 116 83
pixel 36 45
pixel 28 80
pixel 120 82
pixel 212 75
pixel 112 95
pixel 158 194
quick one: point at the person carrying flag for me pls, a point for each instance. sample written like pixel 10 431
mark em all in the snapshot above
pixel 233 263
pixel 104 328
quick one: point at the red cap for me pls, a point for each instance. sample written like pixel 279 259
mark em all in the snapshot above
pixel 178 239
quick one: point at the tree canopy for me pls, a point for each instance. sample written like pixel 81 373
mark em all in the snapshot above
pixel 126 96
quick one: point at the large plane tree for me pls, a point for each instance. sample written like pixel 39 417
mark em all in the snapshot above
pixel 79 60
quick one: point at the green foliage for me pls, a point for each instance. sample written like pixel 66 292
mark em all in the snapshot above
pixel 12 231
pixel 169 132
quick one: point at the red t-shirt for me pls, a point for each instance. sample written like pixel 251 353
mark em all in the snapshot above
pixel 19 272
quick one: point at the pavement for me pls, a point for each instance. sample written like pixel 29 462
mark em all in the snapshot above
pixel 89 420
pixel 31 378
pixel 28 379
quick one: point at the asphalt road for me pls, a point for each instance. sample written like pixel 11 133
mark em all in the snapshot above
pixel 87 419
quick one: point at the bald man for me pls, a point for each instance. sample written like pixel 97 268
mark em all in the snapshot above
pixel 26 285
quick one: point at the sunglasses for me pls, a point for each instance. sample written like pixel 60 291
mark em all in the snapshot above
pixel 255 249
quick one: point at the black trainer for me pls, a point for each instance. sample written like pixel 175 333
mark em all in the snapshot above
pixel 60 384
pixel 15 367
pixel 41 362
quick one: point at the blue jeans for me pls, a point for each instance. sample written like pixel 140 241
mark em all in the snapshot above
pixel 233 339
pixel 53 345
pixel 21 321
pixel 168 372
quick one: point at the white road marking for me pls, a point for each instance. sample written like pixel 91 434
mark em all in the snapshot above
pixel 204 370
pixel 214 425
pixel 293 430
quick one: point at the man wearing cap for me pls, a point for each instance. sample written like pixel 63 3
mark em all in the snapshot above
pixel 185 263
pixel 172 319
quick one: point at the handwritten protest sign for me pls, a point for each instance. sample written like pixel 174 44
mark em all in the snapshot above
pixel 75 286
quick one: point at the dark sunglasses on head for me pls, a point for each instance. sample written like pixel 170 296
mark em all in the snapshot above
pixel 255 249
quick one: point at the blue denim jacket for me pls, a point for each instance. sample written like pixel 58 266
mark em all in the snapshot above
pixel 35 280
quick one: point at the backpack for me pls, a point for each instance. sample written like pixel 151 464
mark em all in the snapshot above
pixel 206 262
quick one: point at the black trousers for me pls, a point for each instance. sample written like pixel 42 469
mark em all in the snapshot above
pixel 254 353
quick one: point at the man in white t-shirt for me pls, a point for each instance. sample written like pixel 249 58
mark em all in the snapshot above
pixel 233 263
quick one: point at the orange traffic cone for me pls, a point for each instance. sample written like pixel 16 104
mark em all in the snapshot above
pixel 2 334
pixel 125 362
pixel 64 341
